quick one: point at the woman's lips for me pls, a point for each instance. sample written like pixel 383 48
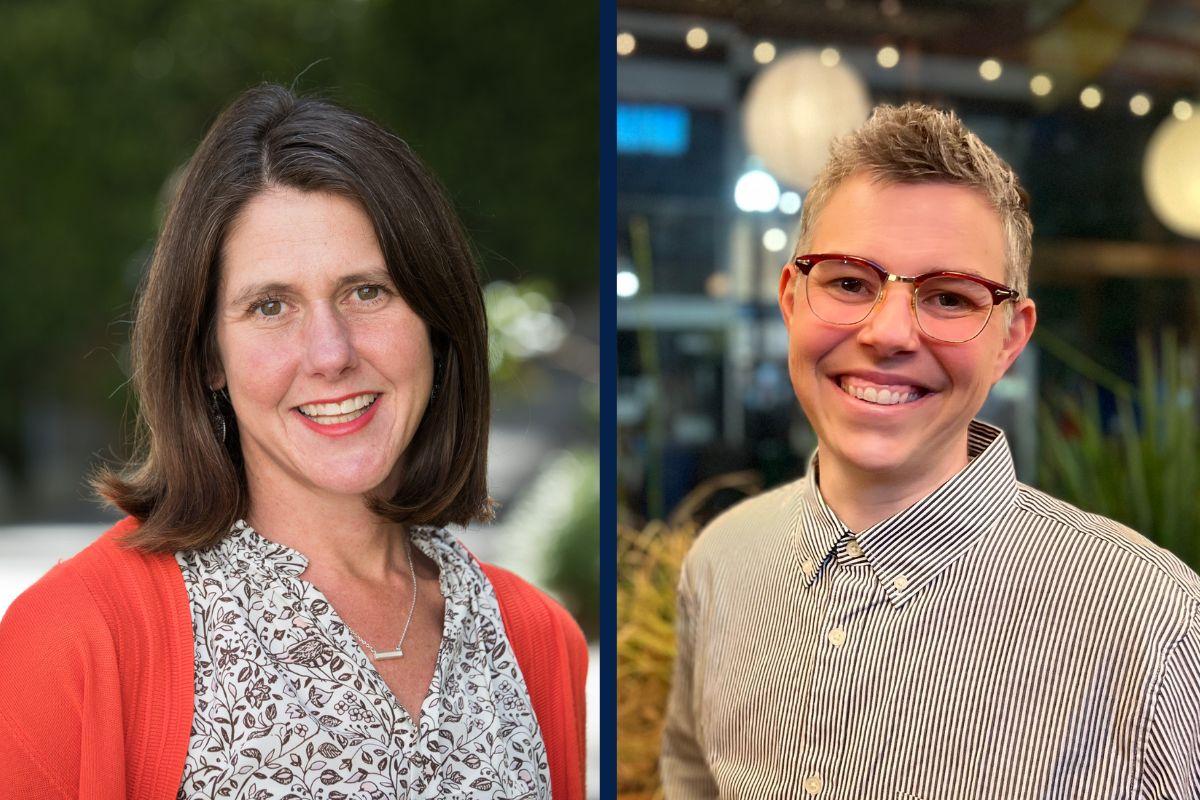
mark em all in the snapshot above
pixel 340 428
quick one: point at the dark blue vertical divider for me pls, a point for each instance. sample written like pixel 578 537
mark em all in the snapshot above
pixel 608 398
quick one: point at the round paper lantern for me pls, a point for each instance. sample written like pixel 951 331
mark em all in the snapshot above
pixel 1171 175
pixel 795 108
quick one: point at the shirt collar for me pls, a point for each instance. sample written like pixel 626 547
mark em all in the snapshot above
pixel 251 551
pixel 909 549
pixel 248 547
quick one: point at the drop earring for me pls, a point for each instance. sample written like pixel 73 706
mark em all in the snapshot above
pixel 218 416
pixel 437 379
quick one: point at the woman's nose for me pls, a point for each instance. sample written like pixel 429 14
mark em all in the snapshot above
pixel 328 343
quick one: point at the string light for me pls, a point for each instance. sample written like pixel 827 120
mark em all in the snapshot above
pixel 1091 97
pixel 764 52
pixel 990 69
pixel 625 43
pixel 1182 110
pixel 1139 104
pixel 830 57
pixel 1041 85
pixel 775 239
pixel 697 38
pixel 888 56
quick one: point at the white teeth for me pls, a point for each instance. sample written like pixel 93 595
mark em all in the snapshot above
pixel 879 396
pixel 340 418
pixel 344 408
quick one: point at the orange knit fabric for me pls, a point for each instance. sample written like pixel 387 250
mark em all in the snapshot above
pixel 96 677
pixel 547 642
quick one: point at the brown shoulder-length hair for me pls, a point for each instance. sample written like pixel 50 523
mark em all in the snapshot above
pixel 184 484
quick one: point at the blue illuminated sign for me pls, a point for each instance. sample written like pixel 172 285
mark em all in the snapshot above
pixel 652 130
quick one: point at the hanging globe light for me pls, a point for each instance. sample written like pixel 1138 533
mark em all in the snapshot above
pixel 795 108
pixel 1171 175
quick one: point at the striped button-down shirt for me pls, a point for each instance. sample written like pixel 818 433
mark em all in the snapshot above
pixel 987 642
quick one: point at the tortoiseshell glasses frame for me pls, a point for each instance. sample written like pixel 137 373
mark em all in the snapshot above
pixel 948 306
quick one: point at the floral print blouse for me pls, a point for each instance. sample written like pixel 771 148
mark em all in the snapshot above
pixel 289 705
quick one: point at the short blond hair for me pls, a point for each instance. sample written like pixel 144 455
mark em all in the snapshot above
pixel 916 143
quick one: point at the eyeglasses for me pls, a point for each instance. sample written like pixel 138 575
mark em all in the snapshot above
pixel 949 306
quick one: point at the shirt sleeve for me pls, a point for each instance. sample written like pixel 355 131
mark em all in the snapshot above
pixel 685 772
pixel 1171 752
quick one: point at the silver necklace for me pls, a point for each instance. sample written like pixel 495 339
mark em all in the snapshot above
pixel 399 651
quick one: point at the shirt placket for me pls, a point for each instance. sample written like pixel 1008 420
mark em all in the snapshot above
pixel 850 590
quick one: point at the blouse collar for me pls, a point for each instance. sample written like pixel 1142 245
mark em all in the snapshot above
pixel 249 549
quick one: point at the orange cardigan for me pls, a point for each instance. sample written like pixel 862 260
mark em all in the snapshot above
pixel 96 677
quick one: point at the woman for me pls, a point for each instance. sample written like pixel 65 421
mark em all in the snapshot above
pixel 282 612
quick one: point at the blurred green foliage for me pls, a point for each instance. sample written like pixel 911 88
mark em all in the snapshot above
pixel 522 324
pixel 1139 464
pixel 572 562
pixel 104 101
pixel 555 526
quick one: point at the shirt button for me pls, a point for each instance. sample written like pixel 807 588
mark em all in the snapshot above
pixel 853 548
pixel 900 582
pixel 809 567
pixel 812 784
pixel 837 637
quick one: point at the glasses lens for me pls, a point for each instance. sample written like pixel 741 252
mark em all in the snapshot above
pixel 953 309
pixel 841 292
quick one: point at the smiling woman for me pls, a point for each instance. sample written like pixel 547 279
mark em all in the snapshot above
pixel 287 207
pixel 319 353
pixel 283 606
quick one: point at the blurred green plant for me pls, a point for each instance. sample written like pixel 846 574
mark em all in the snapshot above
pixel 558 515
pixel 642 261
pixel 523 323
pixel 1141 464
pixel 556 528
pixel 572 561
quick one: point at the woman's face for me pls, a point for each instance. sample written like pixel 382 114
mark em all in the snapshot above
pixel 327 367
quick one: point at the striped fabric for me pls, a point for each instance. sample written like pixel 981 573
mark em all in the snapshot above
pixel 988 642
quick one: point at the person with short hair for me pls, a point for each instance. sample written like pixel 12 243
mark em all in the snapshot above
pixel 908 620
pixel 283 612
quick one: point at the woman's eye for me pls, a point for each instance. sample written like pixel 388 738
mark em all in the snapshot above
pixel 269 308
pixel 371 293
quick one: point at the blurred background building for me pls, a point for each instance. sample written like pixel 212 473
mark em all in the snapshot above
pixel 725 112
pixel 104 102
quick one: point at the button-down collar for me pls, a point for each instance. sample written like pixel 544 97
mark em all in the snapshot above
pixel 909 549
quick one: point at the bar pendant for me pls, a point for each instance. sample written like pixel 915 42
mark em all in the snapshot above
pixel 389 654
